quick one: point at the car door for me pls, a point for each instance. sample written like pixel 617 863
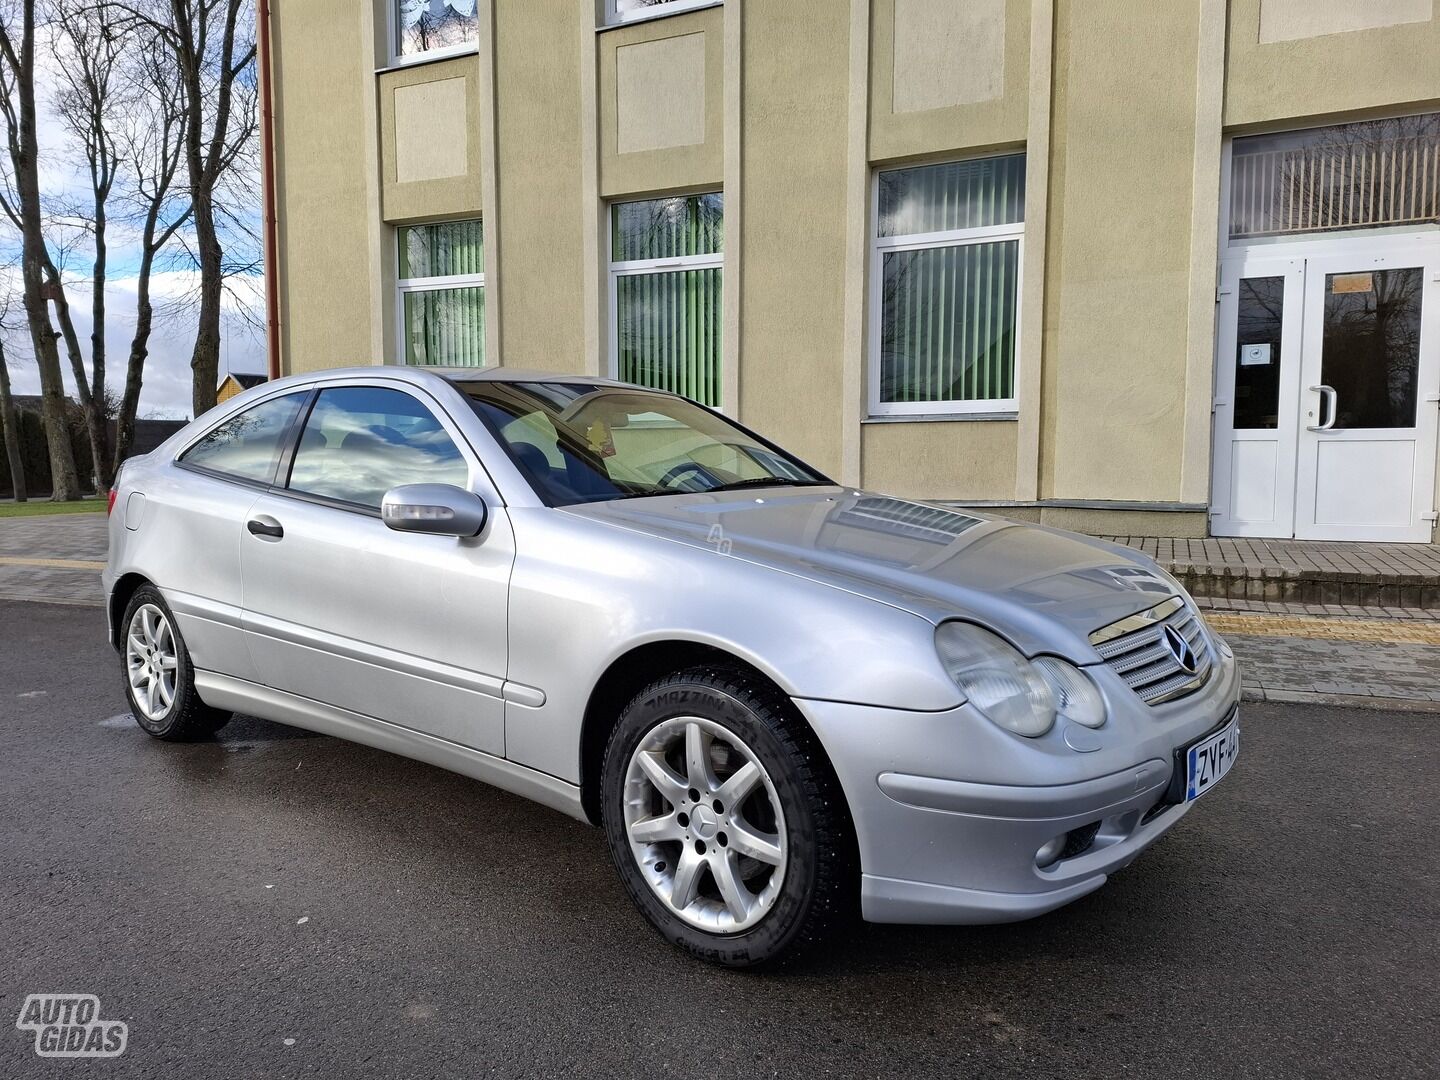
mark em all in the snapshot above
pixel 406 628
pixel 200 512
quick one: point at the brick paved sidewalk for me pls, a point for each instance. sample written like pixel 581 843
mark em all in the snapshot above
pixel 1380 662
pixel 1311 572
pixel 54 558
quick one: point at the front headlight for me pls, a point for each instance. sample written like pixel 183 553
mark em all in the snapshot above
pixel 996 678
pixel 1076 697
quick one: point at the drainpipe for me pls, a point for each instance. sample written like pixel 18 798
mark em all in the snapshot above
pixel 267 166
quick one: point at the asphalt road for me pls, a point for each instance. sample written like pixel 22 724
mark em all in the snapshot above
pixel 275 903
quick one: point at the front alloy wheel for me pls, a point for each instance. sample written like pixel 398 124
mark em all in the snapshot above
pixel 705 825
pixel 725 820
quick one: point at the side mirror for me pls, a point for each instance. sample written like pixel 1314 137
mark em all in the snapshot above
pixel 438 509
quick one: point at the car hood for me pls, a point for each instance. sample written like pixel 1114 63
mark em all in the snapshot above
pixel 1043 588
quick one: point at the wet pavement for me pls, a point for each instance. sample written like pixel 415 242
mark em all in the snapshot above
pixel 280 904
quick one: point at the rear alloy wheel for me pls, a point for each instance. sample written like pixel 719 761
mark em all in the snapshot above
pixel 724 819
pixel 151 660
pixel 159 678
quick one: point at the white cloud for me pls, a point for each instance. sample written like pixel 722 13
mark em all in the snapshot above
pixel 167 386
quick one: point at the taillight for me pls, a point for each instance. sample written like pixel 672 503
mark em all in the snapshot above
pixel 110 502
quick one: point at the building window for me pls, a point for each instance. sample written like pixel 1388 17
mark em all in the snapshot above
pixel 665 279
pixel 621 11
pixel 442 294
pixel 945 282
pixel 1369 175
pixel 431 28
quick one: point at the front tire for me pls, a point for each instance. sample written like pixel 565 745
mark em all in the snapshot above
pixel 725 821
pixel 159 678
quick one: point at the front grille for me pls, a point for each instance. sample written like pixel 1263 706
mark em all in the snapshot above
pixel 1138 649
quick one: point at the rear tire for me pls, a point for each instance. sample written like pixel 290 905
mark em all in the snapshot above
pixel 159 678
pixel 739 881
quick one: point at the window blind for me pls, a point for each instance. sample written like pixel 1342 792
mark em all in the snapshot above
pixel 668 320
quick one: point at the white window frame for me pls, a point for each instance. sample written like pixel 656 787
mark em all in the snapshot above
pixel 880 246
pixel 405 286
pixel 392 15
pixel 638 267
pixel 615 17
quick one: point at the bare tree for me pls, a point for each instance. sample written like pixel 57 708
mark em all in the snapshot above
pixel 213 52
pixel 8 418
pixel 87 50
pixel 153 145
pixel 18 32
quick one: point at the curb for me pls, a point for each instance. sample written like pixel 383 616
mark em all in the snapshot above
pixel 1260 695
pixel 1295 586
pixel 31 598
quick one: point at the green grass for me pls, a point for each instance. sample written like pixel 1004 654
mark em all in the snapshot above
pixel 42 507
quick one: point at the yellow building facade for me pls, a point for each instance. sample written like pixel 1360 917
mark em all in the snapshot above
pixel 1134 268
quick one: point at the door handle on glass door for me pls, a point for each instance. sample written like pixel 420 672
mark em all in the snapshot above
pixel 265 527
pixel 1325 392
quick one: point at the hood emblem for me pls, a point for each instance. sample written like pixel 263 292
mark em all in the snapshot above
pixel 1180 649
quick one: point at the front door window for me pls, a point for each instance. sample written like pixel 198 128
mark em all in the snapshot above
pixel 360 441
pixel 1370 349
pixel 1260 323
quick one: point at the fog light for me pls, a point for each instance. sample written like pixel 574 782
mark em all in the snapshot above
pixel 1049 851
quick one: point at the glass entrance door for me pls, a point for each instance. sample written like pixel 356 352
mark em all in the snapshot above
pixel 1366 460
pixel 1257 388
pixel 1327 377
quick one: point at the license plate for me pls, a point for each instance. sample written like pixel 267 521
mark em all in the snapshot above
pixel 1207 761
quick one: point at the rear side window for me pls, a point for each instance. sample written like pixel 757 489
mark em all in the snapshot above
pixel 360 441
pixel 247 445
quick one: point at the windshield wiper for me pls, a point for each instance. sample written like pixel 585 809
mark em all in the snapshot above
pixel 765 481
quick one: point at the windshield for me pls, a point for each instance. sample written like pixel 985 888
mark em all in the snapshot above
pixel 587 442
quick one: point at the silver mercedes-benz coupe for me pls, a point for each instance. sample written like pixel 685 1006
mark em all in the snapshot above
pixel 785 701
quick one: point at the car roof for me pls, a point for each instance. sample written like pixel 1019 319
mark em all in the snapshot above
pixel 504 374
pixel 422 375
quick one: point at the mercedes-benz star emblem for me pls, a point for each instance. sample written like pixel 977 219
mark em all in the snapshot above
pixel 1181 650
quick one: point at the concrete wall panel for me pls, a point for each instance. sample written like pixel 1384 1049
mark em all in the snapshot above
pixel 946 76
pixel 432 138
pixel 660 94
pixel 794 107
pixel 950 460
pixel 661 103
pixel 1291 20
pixel 430 141
pixel 1118 273
pixel 947 53
pixel 322 196
pixel 1322 59
pixel 538 250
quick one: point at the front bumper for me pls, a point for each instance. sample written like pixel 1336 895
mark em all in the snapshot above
pixel 935 848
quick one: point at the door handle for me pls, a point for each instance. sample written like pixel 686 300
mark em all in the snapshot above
pixel 1328 394
pixel 265 526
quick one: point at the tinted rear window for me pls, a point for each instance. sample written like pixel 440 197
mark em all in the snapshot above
pixel 247 445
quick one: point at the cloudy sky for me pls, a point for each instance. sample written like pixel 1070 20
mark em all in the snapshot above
pixel 166 391
pixel 167 384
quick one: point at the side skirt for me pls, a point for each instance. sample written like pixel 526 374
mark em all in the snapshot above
pixel 227 692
